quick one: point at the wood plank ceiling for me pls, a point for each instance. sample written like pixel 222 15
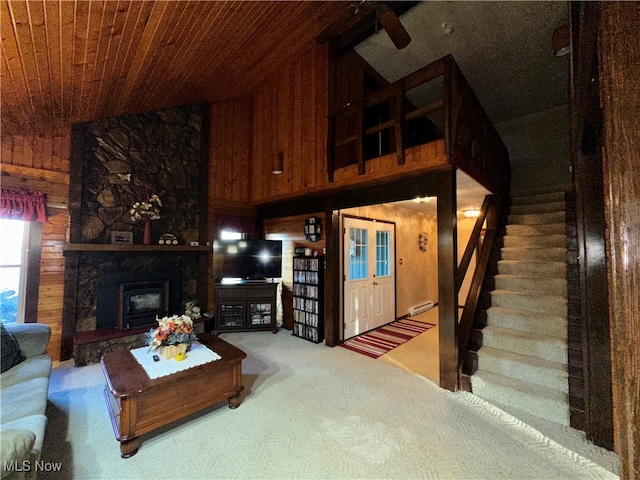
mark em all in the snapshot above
pixel 69 61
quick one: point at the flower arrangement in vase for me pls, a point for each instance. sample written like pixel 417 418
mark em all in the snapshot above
pixel 174 335
pixel 145 211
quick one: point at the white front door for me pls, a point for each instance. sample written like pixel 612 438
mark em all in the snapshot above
pixel 369 270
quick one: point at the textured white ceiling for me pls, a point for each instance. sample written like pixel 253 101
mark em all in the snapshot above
pixel 469 196
pixel 503 49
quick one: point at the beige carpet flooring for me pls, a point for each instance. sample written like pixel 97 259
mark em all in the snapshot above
pixel 420 354
pixel 309 412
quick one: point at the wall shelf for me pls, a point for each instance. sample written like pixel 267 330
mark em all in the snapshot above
pixel 308 298
pixel 78 248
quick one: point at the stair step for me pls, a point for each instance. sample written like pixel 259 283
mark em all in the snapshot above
pixel 537 218
pixel 555 305
pixel 542 229
pixel 537 345
pixel 542 254
pixel 540 190
pixel 556 240
pixel 538 198
pixel 531 284
pixel 534 399
pixel 532 268
pixel 523 361
pixel 545 373
pixel 537 208
pixel 528 321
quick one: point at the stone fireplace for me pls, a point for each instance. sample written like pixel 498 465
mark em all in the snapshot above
pixel 113 292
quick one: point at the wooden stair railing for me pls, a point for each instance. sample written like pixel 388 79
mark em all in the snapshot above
pixel 490 211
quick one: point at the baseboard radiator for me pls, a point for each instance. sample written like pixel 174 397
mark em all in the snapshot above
pixel 422 307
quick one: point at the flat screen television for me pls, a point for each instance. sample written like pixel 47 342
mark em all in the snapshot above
pixel 247 259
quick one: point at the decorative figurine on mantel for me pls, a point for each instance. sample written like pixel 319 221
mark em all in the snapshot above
pixel 192 310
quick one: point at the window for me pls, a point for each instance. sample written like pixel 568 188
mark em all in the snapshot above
pixel 382 253
pixel 357 253
pixel 13 269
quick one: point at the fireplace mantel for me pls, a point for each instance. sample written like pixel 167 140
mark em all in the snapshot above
pixel 79 248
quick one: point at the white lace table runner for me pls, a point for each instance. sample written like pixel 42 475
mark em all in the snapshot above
pixel 198 355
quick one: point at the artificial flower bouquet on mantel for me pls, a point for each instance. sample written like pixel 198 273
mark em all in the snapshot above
pixel 173 336
pixel 146 210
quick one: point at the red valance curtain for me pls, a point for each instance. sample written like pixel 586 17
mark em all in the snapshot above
pixel 30 207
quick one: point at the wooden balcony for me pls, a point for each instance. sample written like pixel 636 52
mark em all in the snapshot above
pixel 432 104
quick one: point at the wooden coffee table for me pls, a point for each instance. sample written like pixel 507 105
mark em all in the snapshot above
pixel 138 404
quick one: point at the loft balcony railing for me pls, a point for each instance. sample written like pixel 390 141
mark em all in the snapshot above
pixel 430 104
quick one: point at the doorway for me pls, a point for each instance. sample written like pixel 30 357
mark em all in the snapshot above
pixel 369 274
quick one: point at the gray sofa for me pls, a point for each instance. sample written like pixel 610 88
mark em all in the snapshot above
pixel 23 401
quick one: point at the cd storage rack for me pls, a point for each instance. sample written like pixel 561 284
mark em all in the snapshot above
pixel 308 298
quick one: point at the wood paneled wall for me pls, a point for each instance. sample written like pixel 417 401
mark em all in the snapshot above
pixel 44 152
pixel 51 291
pixel 41 163
pixel 230 148
pixel 290 116
pixel 619 70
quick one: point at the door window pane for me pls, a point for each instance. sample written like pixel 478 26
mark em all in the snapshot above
pixel 383 269
pixel 13 267
pixel 357 253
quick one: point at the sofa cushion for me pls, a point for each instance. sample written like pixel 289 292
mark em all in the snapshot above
pixel 24 399
pixel 16 444
pixel 34 367
pixel 9 351
pixel 33 423
pixel 32 337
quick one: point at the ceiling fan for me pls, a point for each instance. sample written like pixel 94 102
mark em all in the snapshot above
pixel 388 19
pixel 365 14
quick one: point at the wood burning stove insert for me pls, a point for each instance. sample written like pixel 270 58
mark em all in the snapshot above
pixel 127 301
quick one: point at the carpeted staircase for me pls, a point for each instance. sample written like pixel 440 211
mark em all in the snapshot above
pixel 522 363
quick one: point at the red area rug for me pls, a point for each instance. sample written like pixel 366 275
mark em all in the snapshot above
pixel 383 339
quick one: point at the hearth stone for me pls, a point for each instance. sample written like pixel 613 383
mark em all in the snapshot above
pixel 92 229
pixel 88 353
pixel 86 324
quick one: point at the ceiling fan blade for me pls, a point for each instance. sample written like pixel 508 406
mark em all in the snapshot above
pixel 394 28
pixel 344 23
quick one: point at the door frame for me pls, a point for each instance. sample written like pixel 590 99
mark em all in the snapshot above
pixel 440 184
pixel 342 273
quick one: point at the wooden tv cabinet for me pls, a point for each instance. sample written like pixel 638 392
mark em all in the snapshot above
pixel 246 307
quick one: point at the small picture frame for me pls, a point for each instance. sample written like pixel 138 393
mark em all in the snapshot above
pixel 313 229
pixel 121 238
